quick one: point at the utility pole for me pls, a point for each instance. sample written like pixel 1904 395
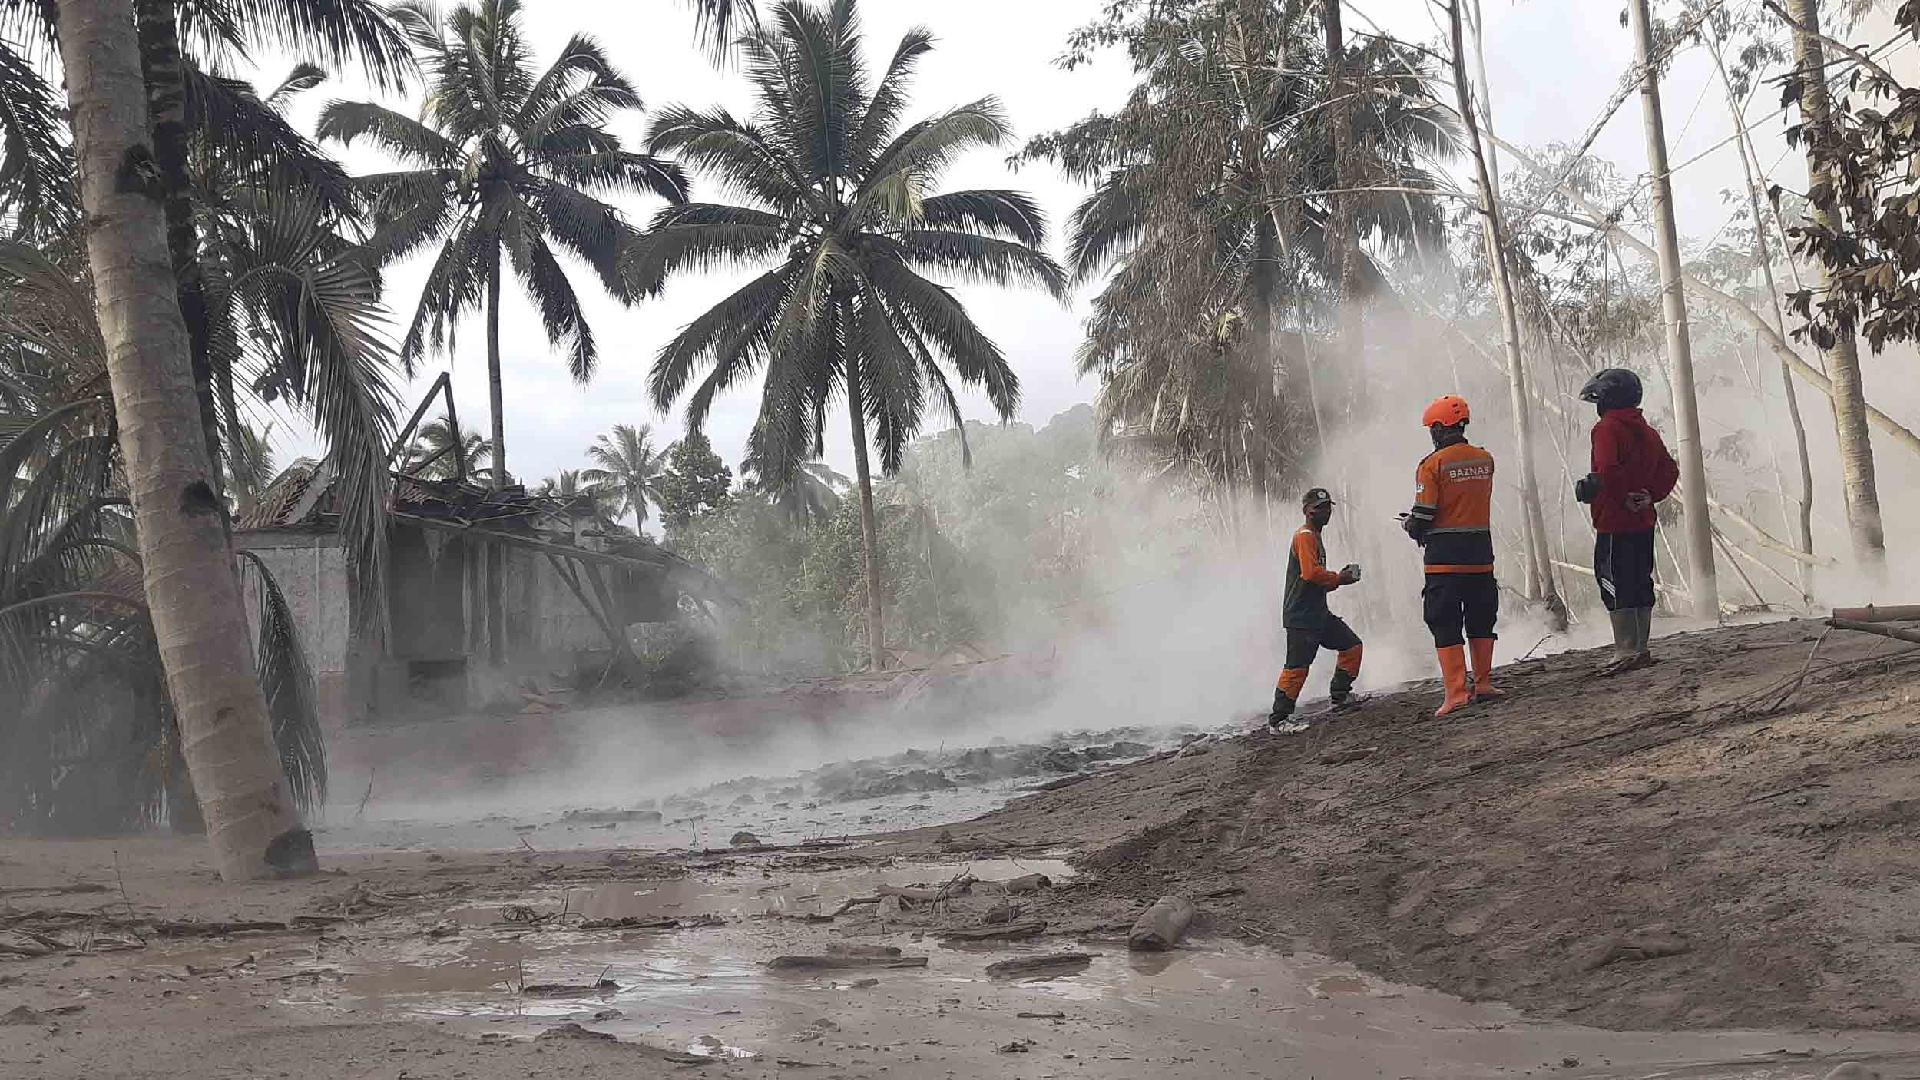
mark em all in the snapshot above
pixel 1673 307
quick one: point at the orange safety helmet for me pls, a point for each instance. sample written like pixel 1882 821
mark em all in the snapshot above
pixel 1448 411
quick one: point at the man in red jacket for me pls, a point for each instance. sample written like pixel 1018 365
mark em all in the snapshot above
pixel 1631 472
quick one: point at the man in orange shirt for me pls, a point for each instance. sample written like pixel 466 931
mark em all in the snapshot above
pixel 1451 521
pixel 1310 626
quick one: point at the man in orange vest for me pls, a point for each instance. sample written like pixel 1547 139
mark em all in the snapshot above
pixel 1310 626
pixel 1451 521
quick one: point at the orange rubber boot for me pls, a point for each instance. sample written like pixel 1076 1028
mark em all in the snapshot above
pixel 1453 672
pixel 1483 688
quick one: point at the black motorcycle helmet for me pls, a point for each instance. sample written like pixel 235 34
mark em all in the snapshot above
pixel 1614 388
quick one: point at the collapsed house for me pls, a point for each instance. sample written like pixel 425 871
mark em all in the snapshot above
pixel 574 594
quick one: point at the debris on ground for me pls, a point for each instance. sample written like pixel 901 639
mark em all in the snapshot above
pixel 612 817
pixel 570 990
pixel 836 962
pixel 1013 932
pixel 1040 967
pixel 1750 796
pixel 1161 926
pixel 571 1030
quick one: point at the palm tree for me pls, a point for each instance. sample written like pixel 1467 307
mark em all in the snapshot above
pixel 837 200
pixel 507 160
pixel 194 597
pixel 629 466
pixel 1211 209
pixel 581 497
pixel 809 496
pixel 442 451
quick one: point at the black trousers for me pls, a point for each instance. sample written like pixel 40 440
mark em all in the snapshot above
pixel 1623 565
pixel 1333 634
pixel 1460 606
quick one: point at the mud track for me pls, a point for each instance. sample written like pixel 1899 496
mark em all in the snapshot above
pixel 1715 842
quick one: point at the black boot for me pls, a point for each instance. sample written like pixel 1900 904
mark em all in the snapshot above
pixel 1340 690
pixel 1282 709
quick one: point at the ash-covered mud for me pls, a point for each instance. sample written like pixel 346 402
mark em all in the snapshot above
pixel 913 788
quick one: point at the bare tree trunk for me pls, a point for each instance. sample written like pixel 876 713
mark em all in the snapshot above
pixel 1763 254
pixel 1673 302
pixel 869 525
pixel 193 593
pixel 1732 305
pixel 164 72
pixel 1843 359
pixel 1540 583
pixel 1342 244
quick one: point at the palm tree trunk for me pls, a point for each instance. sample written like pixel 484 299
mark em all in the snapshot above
pixel 1763 254
pixel 495 560
pixel 495 392
pixel 869 525
pixel 193 593
pixel 1673 303
pixel 1540 583
pixel 1843 359
pixel 165 75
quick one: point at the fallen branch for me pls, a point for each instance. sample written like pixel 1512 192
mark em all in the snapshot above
pixel 1013 932
pixel 841 963
pixel 1725 301
pixel 1874 613
pixel 1898 633
pixel 1039 967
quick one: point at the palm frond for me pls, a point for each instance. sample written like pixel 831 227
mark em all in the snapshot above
pixel 39 199
pixel 340 32
pixel 348 122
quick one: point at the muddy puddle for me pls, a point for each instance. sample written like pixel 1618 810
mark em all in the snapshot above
pixel 1210 1009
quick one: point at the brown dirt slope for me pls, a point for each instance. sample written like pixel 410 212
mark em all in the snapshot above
pixel 1711 842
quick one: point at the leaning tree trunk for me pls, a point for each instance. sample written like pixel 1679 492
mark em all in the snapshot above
pixel 199 621
pixel 1843 359
pixel 166 79
pixel 1673 304
pixel 1540 583
pixel 869 526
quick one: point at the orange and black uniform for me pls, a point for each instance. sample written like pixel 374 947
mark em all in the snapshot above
pixel 1451 519
pixel 1310 626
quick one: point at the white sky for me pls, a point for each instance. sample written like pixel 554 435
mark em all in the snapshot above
pixel 1552 65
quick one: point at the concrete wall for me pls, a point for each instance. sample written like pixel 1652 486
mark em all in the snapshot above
pixel 433 620
pixel 311 570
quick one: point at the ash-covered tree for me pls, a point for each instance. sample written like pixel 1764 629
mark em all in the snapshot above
pixel 694 484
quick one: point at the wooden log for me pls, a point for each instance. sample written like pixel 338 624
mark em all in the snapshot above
pixel 1895 632
pixel 1011 932
pixel 1162 926
pixel 1029 967
pixel 1878 613
pixel 869 951
pixel 843 963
